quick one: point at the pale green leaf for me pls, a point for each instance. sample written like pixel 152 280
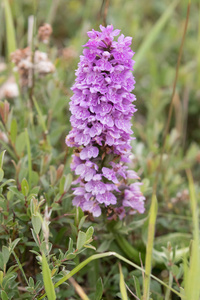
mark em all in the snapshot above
pixel 48 284
pixel 25 187
pixel 89 234
pixel 37 223
pixel 6 254
pixel 68 181
pixel 4 295
pixel 81 240
pixel 122 285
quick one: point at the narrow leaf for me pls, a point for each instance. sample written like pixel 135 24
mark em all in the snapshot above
pixel 10 30
pixel 99 289
pixel 48 284
pixel 192 287
pixel 149 247
pixel 137 287
pixel 122 285
pixel 29 157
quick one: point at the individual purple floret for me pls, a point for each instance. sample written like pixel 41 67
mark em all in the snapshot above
pixel 101 110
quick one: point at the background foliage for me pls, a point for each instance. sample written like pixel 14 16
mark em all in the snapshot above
pixel 39 243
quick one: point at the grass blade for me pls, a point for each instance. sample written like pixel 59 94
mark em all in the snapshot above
pixel 122 284
pixel 10 30
pixel 79 289
pixel 149 247
pixel 42 122
pixel 48 284
pixel 192 287
pixel 154 33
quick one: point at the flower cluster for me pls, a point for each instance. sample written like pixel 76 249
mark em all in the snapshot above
pixel 44 33
pixel 101 110
pixel 9 89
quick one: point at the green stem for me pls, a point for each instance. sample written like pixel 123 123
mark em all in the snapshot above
pixel 20 267
pixel 168 292
pixel 149 247
pixel 128 249
pixel 42 121
pixel 29 157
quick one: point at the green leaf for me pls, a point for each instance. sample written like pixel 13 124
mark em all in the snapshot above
pixel 34 178
pixel 13 244
pixel 48 284
pixel 81 240
pixel 122 284
pixel 82 220
pixel 10 29
pixel 35 237
pixel 89 234
pixel 137 287
pixel 1 174
pixel 70 256
pixel 31 282
pixel 13 130
pixel 2 158
pixel 90 247
pixel 99 289
pixel 175 270
pixel 15 191
pixel 25 187
pixel 1 277
pixel 192 287
pixel 53 174
pixel 70 246
pixel 20 143
pixel 1 261
pixel 4 295
pixel 37 223
pixel 44 248
pixel 6 254
pixel 61 185
pixel 104 246
pixel 68 181
pixel 149 246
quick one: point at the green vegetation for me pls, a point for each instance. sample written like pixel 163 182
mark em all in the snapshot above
pixel 44 240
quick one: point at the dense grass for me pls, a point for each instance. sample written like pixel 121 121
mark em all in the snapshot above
pixel 151 256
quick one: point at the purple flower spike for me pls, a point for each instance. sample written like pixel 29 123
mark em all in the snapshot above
pixel 101 110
